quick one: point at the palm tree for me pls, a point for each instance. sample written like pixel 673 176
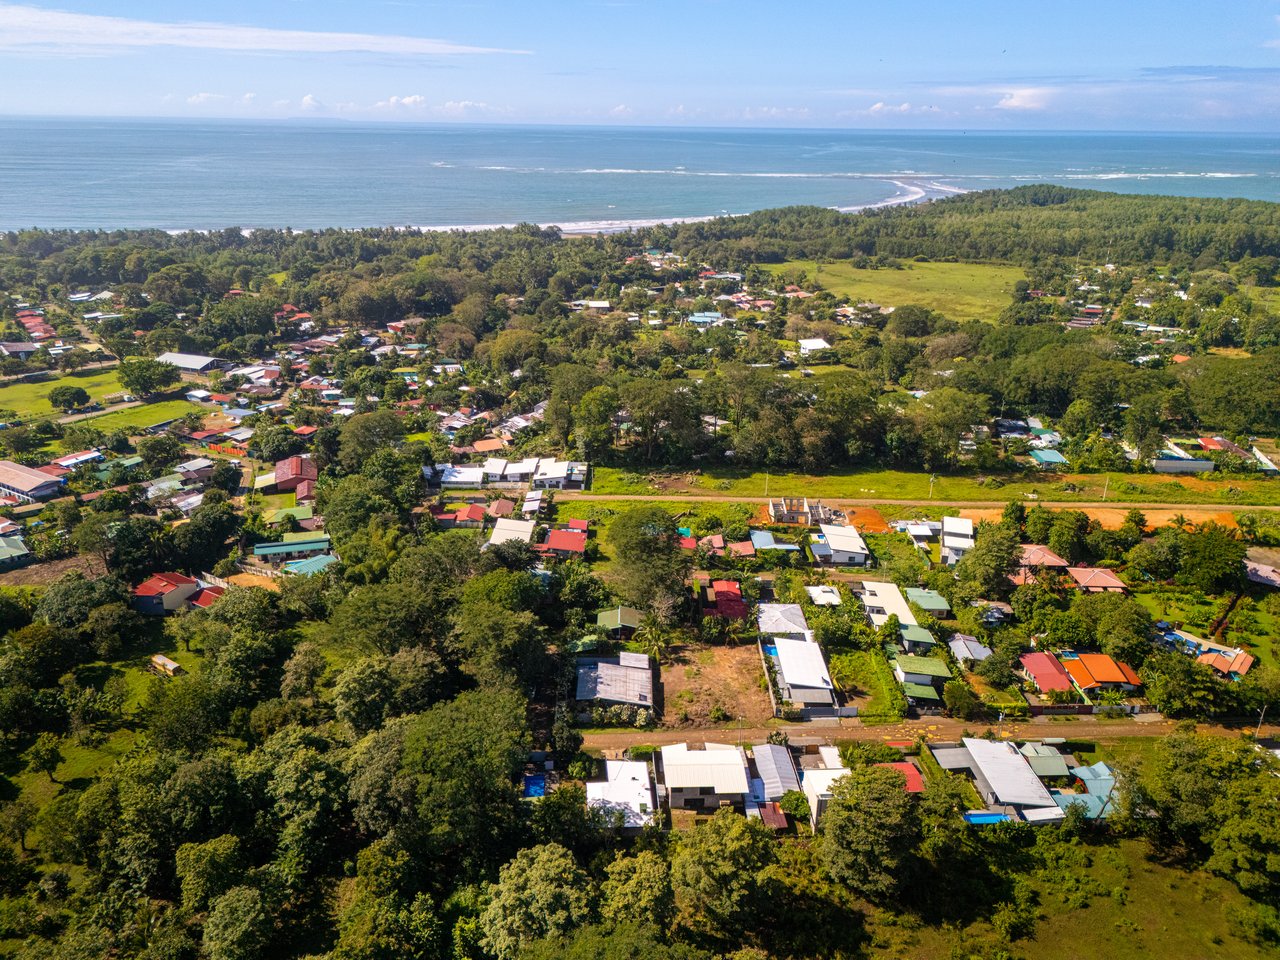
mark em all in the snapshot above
pixel 653 639
pixel 1180 521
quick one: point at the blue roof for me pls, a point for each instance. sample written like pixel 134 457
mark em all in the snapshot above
pixel 763 540
pixel 311 565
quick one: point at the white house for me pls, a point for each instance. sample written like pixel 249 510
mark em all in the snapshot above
pixel 817 788
pixel 707 778
pixel 625 795
pixel 812 345
pixel 191 362
pixel 803 677
pixel 956 539
pixel 885 600
pixel 506 530
pixel 782 620
pixel 840 546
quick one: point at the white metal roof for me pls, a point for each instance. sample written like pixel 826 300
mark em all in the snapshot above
pixel 958 526
pixel 844 539
pixel 884 600
pixel 721 766
pixel 781 618
pixel 817 783
pixel 1008 772
pixel 801 664
pixel 507 529
pixel 824 595
pixel 776 769
pixel 626 790
pixel 187 361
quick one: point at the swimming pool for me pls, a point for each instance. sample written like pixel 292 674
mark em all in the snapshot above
pixel 981 817
pixel 771 650
pixel 535 785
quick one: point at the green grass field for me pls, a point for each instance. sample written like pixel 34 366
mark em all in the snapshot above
pixel 29 398
pixel 913 487
pixel 1253 625
pixel 960 291
pixel 147 415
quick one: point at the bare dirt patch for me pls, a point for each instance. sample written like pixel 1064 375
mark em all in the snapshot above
pixel 866 519
pixel 710 685
pixel 39 574
pixel 253 580
pixel 1113 517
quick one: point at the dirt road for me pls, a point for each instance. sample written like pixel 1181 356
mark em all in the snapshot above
pixel 931 728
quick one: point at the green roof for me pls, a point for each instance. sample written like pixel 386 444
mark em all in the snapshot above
pixel 319 545
pixel 928 666
pixel 929 600
pixel 616 617
pixel 304 535
pixel 124 463
pixel 310 565
pixel 919 691
pixel 12 547
pixel 914 633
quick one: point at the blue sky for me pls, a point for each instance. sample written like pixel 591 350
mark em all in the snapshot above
pixel 1173 65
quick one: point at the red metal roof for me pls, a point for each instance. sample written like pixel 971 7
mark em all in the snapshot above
pixel 205 597
pixel 566 541
pixel 294 468
pixel 1046 671
pixel 161 583
pixel 915 782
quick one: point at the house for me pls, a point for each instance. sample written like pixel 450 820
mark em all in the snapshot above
pixel 624 679
pixel 956 539
pixel 839 546
pixel 724 599
pixel 560 475
pixel 1046 672
pixel 916 639
pixel 191 362
pixel 1094 785
pixel 705 779
pixel 162 665
pixel 764 540
pixel 294 546
pixel 1096 580
pixel 885 600
pixel 803 677
pixel 1262 574
pixel 925 671
pixel 1049 459
pixel 205 597
pixel 817 786
pixel 507 530
pixel 292 471
pixel 1002 776
pixel 800 510
pixel 782 620
pixel 471 516
pixel 1044 759
pixel 824 595
pixel 1096 671
pixel 164 593
pixel 451 477
pixel 564 544
pixel 14 552
pixel 26 484
pixel 501 508
pixel 625 795
pixel 1232 666
pixel 73 460
pixel 308 566
pixel 1032 557
pixel 619 621
pixel 915 780
pixel 967 649
pixel 812 345
pixel 930 601
pixel 776 772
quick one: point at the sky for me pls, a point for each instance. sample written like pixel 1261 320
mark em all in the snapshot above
pixel 856 64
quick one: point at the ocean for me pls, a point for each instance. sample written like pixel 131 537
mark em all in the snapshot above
pixel 183 175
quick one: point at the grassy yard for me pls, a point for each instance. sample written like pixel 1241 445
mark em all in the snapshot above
pixel 1254 624
pixel 30 398
pixel 914 487
pixel 960 291
pixel 864 673
pixel 147 415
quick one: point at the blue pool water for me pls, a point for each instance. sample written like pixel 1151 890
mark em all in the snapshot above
pixel 771 651
pixel 985 817
pixel 535 785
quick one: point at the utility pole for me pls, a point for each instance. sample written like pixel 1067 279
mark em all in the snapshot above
pixel 1261 713
pixel 1105 487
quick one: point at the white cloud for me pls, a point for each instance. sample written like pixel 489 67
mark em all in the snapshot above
pixel 58 31
pixel 882 109
pixel 462 108
pixel 413 102
pixel 248 98
pixel 197 99
pixel 1025 98
pixel 621 110
pixel 310 103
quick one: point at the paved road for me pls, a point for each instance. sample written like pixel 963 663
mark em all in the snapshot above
pixel 886 502
pixel 932 728
pixel 112 408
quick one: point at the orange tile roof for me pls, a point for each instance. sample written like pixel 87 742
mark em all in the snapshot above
pixel 1094 669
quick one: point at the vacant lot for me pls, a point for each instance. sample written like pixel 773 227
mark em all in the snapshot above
pixel 914 487
pixel 147 415
pixel 29 399
pixel 707 685
pixel 39 574
pixel 960 291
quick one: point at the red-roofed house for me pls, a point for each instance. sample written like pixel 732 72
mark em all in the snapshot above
pixel 726 600
pixel 502 507
pixel 1034 556
pixel 582 525
pixel 1233 667
pixel 472 515
pixel 1045 671
pixel 305 431
pixel 204 598
pixel 163 593
pixel 1096 580
pixel 1097 671
pixel 564 543
pixel 294 470
pixel 305 492
pixel 915 782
